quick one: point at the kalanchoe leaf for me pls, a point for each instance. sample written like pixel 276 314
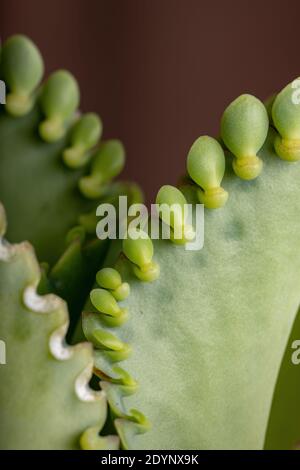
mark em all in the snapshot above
pixel 105 302
pixel 53 375
pixel 102 334
pixel 124 378
pixel 108 340
pixel 122 292
pixel 286 118
pixel 206 166
pixel 138 248
pixel 107 163
pixel 51 196
pixel 59 100
pixel 48 191
pixel 91 440
pixel 214 321
pixel 22 69
pixel 84 136
pixel 109 278
pixel 244 128
pixel 172 207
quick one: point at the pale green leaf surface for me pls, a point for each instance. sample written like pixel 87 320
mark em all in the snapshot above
pixel 208 336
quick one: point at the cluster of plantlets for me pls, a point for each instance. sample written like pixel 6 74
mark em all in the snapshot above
pixel 187 345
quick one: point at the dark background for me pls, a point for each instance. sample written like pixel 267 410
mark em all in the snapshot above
pixel 160 72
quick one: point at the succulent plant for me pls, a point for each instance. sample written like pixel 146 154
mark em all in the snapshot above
pixel 192 348
pixel 53 174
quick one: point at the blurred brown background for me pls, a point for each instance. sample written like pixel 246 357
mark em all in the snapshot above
pixel 160 72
